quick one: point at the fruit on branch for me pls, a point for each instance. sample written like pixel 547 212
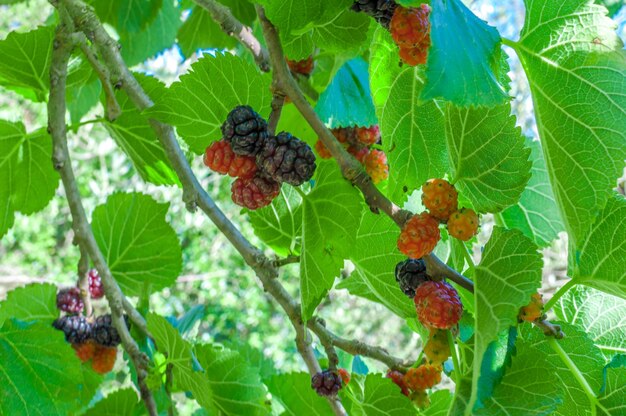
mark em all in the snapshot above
pixel 322 150
pixel 77 329
pixel 345 376
pixel 410 29
pixel 368 135
pixel 104 333
pixel 410 274
pixel 327 383
pixel 254 193
pixel 69 300
pixel 440 198
pixel 376 165
pixel 220 158
pixel 438 305
pixel 532 311
pixel 420 398
pixel 419 236
pixel 103 359
pixel 304 67
pixel 286 158
pixel 398 378
pixel 359 152
pixel 344 134
pixel 463 224
pixel 85 350
pixel 96 290
pixel 437 348
pixel 423 377
pixel 245 130
pixel 380 10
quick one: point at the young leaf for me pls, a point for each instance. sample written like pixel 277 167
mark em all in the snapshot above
pixel 348 101
pixel 577 82
pixel 464 58
pixel 330 215
pixel 34 302
pixel 119 402
pixel 27 70
pixel 201 32
pixel 536 214
pixel 488 160
pixel 196 108
pixel 599 314
pixel 509 272
pixel 294 392
pixel 132 132
pixel 603 254
pixel 139 245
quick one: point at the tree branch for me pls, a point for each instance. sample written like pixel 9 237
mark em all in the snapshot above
pixel 83 279
pixel 350 167
pixel 62 49
pixel 233 27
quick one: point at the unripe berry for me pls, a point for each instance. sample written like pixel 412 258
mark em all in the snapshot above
pixel 103 359
pixel 220 158
pixel 437 348
pixel 96 290
pixel 376 165
pixel 438 305
pixel 254 193
pixel 440 198
pixel 420 398
pixel 532 311
pixel 368 135
pixel 345 376
pixel 419 236
pixel 463 224
pixel 322 150
pixel 85 351
pixel 410 29
pixel 398 378
pixel 70 301
pixel 360 153
pixel 304 67
pixel 423 377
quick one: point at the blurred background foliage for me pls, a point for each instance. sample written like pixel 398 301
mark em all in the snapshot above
pixel 215 278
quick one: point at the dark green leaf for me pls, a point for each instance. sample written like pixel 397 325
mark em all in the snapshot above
pixel 294 392
pixel 201 32
pixel 34 302
pixel 122 402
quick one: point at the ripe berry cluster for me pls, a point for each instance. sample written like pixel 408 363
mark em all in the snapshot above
pixel 328 382
pixel 410 29
pixel 420 234
pixel 358 141
pixel 92 339
pixel 259 162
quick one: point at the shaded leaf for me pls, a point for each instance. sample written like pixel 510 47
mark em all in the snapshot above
pixel 34 302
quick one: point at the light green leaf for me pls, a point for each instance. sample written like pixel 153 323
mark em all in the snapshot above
pixel 201 32
pixel 132 132
pixel 347 101
pixel 464 58
pixel 536 214
pixel 122 402
pixel 375 256
pixel 614 388
pixel 7 215
pixel 29 64
pixel 509 272
pixel 356 286
pixel 294 392
pixel 330 215
pixel 34 302
pixel 528 387
pixel 602 263
pixel 39 373
pixel 237 387
pixel 599 314
pixel 138 244
pixel 279 225
pixel 488 160
pixel 440 402
pixel 294 16
pixel 298 47
pixel 575 67
pixel 199 103
pixel 384 68
pixel 344 33
pixel 381 397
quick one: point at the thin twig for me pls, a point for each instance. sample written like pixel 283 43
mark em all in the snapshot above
pixel 62 49
pixel 350 167
pixel 233 27
pixel 287 260
pixel 548 328
pixel 83 279
pixel 278 100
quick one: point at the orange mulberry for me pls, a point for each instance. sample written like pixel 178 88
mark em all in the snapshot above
pixel 419 236
pixel 463 224
pixel 440 198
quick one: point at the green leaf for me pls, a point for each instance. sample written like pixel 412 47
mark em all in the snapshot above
pixel 27 178
pixel 199 103
pixel 34 302
pixel 343 33
pixel 279 225
pixel 384 68
pixel 573 73
pixel 201 32
pixel 122 402
pixel 7 216
pixel 585 356
pixel 603 254
pixel 536 214
pixel 529 387
pixel 440 402
pixel 293 16
pixel 614 388
pixel 496 360
pixel 509 272
pixel 381 397
pixel 237 387
pixel 613 6
pixel 599 314
pixel 133 133
pixel 464 58
pixel 39 373
pixel 294 392
pixel 488 160
pixel 375 256
pixel 140 247
pixel 160 34
pixel 134 15
pixel 348 101
pixel 83 89
pixel 29 65
pixel 330 215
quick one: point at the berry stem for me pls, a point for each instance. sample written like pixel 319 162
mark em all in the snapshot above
pixel 278 100
pixel 455 357
pixel 562 290
pixel 83 280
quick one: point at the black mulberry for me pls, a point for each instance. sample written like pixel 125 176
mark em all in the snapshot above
pixel 410 274
pixel 245 130
pixel 380 10
pixel 327 383
pixel 286 158
pixel 104 333
pixel 77 329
